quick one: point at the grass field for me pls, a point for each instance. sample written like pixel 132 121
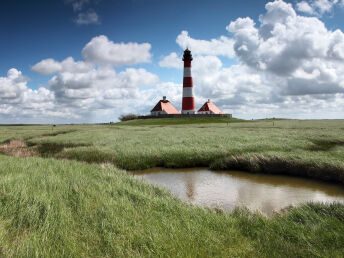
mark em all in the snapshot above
pixel 181 121
pixel 52 206
pixel 306 148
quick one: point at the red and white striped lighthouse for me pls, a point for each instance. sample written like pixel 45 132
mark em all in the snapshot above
pixel 188 103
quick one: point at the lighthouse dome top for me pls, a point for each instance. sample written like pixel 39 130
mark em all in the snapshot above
pixel 187 55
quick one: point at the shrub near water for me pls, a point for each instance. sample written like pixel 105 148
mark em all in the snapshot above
pixel 64 208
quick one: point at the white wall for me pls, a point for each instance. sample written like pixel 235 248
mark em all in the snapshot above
pixel 156 113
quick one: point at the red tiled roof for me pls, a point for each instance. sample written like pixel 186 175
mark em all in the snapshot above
pixel 210 106
pixel 165 105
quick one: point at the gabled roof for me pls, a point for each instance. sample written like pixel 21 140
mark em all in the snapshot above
pixel 165 105
pixel 210 106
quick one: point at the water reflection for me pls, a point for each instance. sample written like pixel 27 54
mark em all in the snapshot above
pixel 230 189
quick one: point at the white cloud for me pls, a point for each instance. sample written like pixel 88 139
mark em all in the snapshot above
pixel 222 46
pixel 18 101
pixel 205 64
pixel 317 7
pixel 12 86
pixel 171 61
pixel 78 91
pixel 134 78
pixel 249 93
pixel 101 50
pixel 98 83
pixel 89 17
pixel 324 5
pixel 50 66
pixel 305 7
pixel 91 88
pixel 290 46
pixel 47 66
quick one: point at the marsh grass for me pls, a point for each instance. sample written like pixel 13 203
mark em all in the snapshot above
pixel 48 149
pixel 63 208
pixel 14 132
pixel 301 148
pixel 325 145
pixel 180 121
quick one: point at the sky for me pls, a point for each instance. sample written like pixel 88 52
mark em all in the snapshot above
pixel 90 61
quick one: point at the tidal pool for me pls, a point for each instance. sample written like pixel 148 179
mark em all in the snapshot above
pixel 229 189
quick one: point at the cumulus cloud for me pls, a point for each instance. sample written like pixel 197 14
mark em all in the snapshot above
pixel 18 101
pixel 222 46
pixel 317 7
pixel 50 66
pixel 101 50
pixel 171 61
pixel 305 7
pixel 47 66
pixel 291 46
pixel 91 93
pixel 12 87
pixel 91 87
pixel 201 63
pixel 249 93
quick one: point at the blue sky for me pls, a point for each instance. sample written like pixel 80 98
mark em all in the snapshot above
pixel 299 77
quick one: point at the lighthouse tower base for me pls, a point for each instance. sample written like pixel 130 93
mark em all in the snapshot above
pixel 229 116
pixel 188 112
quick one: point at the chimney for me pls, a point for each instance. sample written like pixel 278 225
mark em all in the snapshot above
pixel 164 98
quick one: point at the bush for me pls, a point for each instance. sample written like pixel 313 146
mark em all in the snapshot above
pixel 127 117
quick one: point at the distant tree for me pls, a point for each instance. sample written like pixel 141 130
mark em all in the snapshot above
pixel 127 117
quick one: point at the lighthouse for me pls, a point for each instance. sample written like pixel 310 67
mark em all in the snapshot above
pixel 188 103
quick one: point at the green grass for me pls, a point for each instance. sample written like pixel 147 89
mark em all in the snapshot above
pixel 54 207
pixel 305 148
pixel 51 208
pixel 9 132
pixel 180 121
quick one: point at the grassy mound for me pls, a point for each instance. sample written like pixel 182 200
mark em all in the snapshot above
pixel 65 208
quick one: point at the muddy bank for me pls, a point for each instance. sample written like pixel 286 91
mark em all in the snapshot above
pixel 18 148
